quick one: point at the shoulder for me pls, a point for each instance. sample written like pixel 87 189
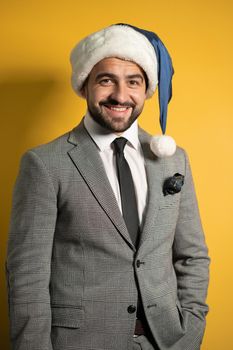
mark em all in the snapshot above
pixel 45 158
pixel 56 149
pixel 51 156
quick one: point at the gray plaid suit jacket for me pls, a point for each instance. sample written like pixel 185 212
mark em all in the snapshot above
pixel 72 269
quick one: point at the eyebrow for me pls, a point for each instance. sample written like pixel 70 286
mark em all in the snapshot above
pixel 111 75
pixel 135 76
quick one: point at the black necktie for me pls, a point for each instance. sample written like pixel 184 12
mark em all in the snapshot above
pixel 128 197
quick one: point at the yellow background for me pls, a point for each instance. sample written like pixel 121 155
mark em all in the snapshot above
pixel 37 104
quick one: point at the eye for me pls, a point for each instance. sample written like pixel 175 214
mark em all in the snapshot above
pixel 106 82
pixel 134 82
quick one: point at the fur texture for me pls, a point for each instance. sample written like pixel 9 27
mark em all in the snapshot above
pixel 118 41
pixel 163 146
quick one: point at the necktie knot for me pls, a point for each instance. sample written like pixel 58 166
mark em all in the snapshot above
pixel 119 144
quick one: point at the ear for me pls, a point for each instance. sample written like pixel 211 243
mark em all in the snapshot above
pixel 84 88
pixel 83 91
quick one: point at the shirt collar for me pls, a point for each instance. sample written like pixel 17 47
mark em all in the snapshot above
pixel 103 137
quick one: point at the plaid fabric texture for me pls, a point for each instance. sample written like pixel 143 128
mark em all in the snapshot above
pixel 72 269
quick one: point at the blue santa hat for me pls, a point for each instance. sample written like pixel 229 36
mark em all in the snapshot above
pixel 140 46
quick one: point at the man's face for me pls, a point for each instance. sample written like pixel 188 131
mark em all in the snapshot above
pixel 115 92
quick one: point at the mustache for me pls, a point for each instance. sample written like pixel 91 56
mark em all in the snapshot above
pixel 113 102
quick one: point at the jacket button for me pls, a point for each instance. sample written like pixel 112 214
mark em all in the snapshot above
pixel 139 262
pixel 131 309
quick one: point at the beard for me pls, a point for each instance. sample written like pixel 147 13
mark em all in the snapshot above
pixel 117 124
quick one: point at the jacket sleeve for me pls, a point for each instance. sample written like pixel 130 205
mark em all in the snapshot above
pixel 191 263
pixel 28 263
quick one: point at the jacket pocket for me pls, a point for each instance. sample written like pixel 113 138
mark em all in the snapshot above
pixel 166 317
pixel 67 316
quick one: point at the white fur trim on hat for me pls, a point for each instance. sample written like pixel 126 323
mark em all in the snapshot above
pixel 120 41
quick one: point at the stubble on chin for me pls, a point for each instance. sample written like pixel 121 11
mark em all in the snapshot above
pixel 113 125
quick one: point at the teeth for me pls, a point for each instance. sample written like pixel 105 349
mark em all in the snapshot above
pixel 119 109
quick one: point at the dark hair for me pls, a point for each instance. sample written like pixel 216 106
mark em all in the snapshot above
pixel 146 79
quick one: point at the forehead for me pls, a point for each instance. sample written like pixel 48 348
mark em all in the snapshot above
pixel 116 66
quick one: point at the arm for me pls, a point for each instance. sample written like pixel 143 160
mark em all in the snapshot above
pixel 29 255
pixel 191 262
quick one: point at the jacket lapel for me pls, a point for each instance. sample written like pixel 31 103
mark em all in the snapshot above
pixel 154 171
pixel 87 160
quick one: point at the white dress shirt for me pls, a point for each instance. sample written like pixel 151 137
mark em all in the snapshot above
pixel 133 154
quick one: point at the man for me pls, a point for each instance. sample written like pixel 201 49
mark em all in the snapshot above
pixel 106 249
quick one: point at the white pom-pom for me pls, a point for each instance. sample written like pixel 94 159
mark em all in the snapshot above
pixel 163 145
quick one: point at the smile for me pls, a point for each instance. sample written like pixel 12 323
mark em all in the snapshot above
pixel 117 109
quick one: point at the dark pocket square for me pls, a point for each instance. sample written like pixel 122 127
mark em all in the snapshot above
pixel 173 184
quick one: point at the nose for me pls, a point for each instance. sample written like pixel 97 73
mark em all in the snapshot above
pixel 120 93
